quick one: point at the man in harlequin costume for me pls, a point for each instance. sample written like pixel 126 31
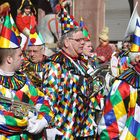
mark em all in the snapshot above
pixel 17 121
pixel 66 84
pixel 34 59
pixel 120 119
pixel 26 20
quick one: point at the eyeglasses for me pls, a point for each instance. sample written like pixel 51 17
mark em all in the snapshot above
pixel 78 40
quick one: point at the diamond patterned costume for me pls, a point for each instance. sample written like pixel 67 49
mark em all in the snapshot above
pixel 68 92
pixel 19 88
pixel 120 118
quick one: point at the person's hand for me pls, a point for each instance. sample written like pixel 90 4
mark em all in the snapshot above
pixel 26 31
pixel 35 125
pixel 102 58
pixel 51 133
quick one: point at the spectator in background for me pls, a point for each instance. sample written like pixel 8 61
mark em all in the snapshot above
pixel 105 49
pixel 87 49
pixel 89 54
pixel 26 20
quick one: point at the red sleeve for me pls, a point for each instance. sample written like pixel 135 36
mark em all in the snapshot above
pixel 28 22
pixel 33 24
pixel 19 23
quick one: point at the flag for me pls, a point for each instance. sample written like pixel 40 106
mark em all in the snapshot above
pixel 132 22
pixel 9 33
pixel 136 39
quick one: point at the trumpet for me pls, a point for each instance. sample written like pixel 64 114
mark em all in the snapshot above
pixel 19 108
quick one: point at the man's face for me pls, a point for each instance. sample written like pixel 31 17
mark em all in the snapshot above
pixel 76 43
pixel 87 48
pixel 17 59
pixel 35 53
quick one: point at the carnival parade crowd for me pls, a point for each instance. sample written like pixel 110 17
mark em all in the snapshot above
pixel 66 90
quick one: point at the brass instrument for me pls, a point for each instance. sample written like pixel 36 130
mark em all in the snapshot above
pixel 97 82
pixel 19 108
pixel 102 69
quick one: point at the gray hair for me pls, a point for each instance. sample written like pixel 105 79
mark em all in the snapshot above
pixel 67 35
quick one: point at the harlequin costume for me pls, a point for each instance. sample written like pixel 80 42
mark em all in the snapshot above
pixel 19 88
pixel 15 87
pixel 120 118
pixel 34 71
pixel 67 90
pixel 121 113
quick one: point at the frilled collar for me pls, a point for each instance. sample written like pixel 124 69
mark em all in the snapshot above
pixel 132 76
pixel 15 82
pixel 64 61
pixel 66 54
pixel 28 65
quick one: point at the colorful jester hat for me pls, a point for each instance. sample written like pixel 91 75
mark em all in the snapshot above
pixel 35 39
pixel 84 29
pixel 68 22
pixel 9 33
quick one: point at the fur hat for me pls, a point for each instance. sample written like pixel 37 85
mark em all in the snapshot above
pixel 104 34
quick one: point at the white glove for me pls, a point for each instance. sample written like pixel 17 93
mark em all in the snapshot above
pixel 26 31
pixel 51 133
pixel 35 125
